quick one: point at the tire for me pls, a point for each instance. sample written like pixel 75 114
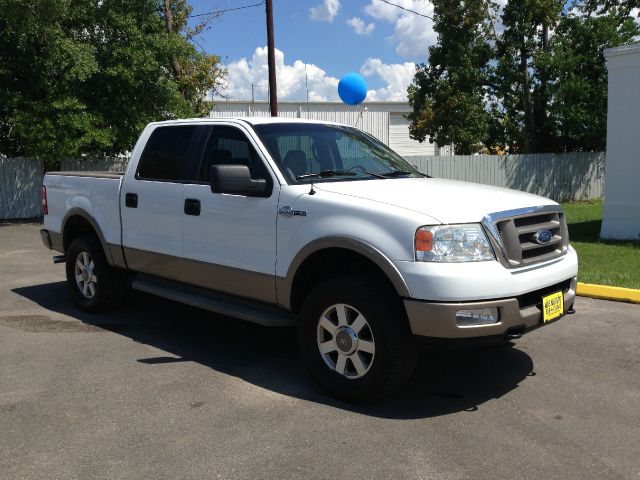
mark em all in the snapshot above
pixel 93 283
pixel 355 340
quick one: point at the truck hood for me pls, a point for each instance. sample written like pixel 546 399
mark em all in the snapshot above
pixel 447 201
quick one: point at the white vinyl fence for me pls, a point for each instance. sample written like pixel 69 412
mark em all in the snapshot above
pixel 20 181
pixel 561 176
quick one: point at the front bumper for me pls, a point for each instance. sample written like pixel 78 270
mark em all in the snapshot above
pixel 437 320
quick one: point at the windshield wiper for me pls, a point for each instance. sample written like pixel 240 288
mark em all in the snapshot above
pixel 399 173
pixel 337 172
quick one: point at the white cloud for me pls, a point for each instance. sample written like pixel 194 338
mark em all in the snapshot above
pixel 322 87
pixel 290 79
pixel 413 34
pixel 383 11
pixel 326 11
pixel 397 78
pixel 360 27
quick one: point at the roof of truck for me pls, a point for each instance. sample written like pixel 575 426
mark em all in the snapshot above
pixel 250 120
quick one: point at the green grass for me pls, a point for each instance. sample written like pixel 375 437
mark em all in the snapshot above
pixel 602 263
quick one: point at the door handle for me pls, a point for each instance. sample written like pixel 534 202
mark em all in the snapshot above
pixel 131 200
pixel 192 206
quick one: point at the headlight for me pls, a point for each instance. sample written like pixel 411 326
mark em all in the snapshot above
pixel 453 243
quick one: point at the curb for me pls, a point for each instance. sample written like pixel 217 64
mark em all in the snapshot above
pixel 604 292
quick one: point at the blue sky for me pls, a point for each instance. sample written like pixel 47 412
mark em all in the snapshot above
pixel 333 37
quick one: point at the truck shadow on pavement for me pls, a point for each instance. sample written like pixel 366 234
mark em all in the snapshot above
pixel 445 382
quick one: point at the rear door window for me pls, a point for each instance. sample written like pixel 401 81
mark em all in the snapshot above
pixel 166 153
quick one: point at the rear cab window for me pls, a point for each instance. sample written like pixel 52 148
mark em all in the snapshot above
pixel 166 154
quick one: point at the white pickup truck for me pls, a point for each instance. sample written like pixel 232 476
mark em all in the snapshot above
pixel 319 225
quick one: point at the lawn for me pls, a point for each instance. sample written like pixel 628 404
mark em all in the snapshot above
pixel 603 263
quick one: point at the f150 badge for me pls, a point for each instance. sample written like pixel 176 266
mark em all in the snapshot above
pixel 288 212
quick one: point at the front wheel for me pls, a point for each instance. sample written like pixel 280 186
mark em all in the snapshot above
pixel 93 283
pixel 354 338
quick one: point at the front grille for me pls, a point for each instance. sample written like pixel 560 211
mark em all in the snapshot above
pixel 518 233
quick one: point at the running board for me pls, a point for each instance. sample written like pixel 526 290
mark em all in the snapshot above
pixel 249 310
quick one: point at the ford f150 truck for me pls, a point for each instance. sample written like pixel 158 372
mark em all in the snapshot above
pixel 314 224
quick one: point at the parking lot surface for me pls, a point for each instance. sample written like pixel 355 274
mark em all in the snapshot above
pixel 160 390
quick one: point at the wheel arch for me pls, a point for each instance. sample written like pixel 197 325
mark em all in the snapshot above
pixel 335 255
pixel 78 222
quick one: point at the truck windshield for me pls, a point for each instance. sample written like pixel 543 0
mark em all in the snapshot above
pixel 307 152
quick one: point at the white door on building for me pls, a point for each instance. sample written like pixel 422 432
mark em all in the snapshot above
pixel 401 143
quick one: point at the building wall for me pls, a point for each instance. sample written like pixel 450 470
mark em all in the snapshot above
pixel 402 143
pixel 621 215
pixel 373 118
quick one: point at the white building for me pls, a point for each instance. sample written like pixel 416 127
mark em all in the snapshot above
pixel 621 216
pixel 384 120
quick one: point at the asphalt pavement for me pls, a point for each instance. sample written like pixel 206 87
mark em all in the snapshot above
pixel 159 390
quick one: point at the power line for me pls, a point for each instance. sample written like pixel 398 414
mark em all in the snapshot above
pixel 407 9
pixel 220 12
pixel 431 18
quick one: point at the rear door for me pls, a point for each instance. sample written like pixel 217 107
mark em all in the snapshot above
pixel 230 240
pixel 152 202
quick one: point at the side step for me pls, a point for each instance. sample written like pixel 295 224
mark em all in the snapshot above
pixel 251 311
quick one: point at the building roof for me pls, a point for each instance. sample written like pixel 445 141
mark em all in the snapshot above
pixel 623 50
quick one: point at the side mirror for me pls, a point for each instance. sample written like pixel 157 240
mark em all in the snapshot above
pixel 236 180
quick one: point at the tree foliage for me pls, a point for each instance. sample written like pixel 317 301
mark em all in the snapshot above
pixel 521 78
pixel 448 92
pixel 579 109
pixel 544 77
pixel 84 77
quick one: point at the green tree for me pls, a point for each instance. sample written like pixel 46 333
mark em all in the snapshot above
pixel 84 77
pixel 522 78
pixel 577 64
pixel 543 90
pixel 447 94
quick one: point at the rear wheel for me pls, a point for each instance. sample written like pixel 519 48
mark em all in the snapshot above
pixel 93 283
pixel 354 338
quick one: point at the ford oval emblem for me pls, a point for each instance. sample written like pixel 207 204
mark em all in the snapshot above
pixel 543 236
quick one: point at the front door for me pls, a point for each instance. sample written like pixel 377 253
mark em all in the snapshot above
pixel 230 240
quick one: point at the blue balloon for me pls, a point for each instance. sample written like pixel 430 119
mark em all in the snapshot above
pixel 352 89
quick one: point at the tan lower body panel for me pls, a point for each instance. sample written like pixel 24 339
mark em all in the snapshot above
pixel 438 320
pixel 221 278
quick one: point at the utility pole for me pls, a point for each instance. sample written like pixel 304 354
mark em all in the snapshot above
pixel 273 96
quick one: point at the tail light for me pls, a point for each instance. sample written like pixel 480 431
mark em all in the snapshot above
pixel 45 207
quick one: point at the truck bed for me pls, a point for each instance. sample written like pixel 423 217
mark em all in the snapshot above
pixel 95 195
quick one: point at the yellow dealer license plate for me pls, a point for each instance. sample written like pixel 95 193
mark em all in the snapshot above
pixel 552 306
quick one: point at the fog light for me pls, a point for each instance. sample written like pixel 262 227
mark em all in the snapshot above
pixel 477 316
